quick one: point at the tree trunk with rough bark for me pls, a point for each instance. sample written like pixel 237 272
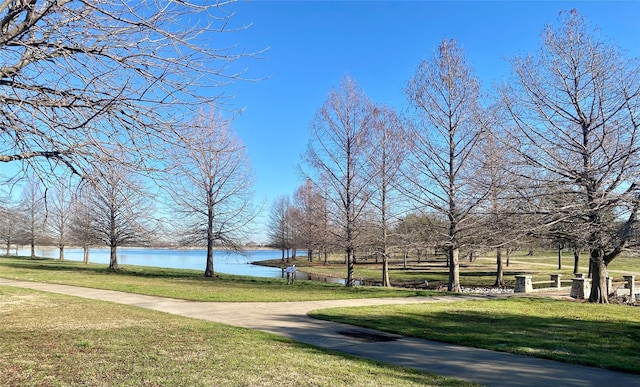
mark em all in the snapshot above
pixel 500 268
pixel 113 257
pixel 385 270
pixel 559 257
pixel 599 278
pixel 454 270
pixel 350 267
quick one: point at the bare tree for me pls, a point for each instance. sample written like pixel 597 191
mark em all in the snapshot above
pixel 81 229
pixel 575 107
pixel 442 169
pixel 279 225
pixel 60 206
pixel 34 211
pixel 324 238
pixel 211 185
pixel 386 155
pixel 336 152
pixel 119 208
pixel 310 220
pixel 83 79
pixel 10 219
pixel 502 221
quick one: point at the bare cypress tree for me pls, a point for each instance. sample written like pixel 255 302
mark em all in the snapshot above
pixel 503 223
pixel 386 155
pixel 309 217
pixel 211 185
pixel 442 168
pixel 336 152
pixel 60 213
pixel 81 228
pixel 119 208
pixel 279 225
pixel 575 108
pixel 32 203
pixel 10 219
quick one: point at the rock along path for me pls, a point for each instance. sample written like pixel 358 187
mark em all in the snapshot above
pixel 290 319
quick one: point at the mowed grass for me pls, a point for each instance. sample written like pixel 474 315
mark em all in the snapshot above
pixel 55 340
pixel 185 284
pixel 605 336
pixel 479 273
pixel 596 335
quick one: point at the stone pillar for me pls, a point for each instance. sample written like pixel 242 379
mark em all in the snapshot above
pixel 523 284
pixel 631 285
pixel 556 281
pixel 580 288
pixel 609 285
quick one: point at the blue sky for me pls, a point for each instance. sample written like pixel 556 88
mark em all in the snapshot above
pixel 313 44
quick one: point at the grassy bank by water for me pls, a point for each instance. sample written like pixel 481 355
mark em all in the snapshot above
pixel 605 336
pixel 479 273
pixel 596 335
pixel 184 284
pixel 55 340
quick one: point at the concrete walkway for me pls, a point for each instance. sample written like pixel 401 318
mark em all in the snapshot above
pixel 289 319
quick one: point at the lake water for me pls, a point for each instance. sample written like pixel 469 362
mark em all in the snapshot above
pixel 223 262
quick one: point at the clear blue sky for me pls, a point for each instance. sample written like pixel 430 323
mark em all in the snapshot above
pixel 313 44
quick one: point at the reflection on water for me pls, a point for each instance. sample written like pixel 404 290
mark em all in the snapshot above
pixel 223 262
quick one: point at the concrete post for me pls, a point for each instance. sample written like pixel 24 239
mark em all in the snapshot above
pixel 523 284
pixel 631 285
pixel 580 288
pixel 609 285
pixel 556 281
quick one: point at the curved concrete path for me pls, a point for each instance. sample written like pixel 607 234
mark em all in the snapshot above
pixel 290 319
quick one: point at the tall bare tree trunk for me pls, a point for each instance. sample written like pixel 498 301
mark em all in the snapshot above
pixel 208 272
pixel 500 269
pixel 599 278
pixel 113 257
pixel 576 259
pixel 85 249
pixel 385 270
pixel 599 283
pixel 454 270
pixel 61 254
pixel 350 267
pixel 559 257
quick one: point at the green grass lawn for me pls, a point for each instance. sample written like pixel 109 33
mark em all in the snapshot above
pixel 185 284
pixel 55 340
pixel 604 336
pixel 480 272
pixel 597 335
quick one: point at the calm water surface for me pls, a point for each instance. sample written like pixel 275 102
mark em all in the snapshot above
pixel 223 262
